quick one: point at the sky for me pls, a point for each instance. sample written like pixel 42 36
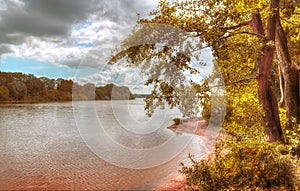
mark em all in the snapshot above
pixel 69 39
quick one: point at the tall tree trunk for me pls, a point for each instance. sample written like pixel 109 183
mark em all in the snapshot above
pixel 267 97
pixel 290 75
pixel 264 66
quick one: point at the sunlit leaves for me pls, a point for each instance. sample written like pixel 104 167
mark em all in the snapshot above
pixel 244 165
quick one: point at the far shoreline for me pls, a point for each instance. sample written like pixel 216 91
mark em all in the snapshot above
pixel 63 101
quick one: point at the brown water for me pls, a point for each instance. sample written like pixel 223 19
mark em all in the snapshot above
pixel 41 149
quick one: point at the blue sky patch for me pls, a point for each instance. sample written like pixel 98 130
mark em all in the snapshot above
pixel 37 68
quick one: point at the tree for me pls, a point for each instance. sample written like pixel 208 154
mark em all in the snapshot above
pixel 35 87
pixel 289 69
pixel 109 92
pixel 89 90
pixel 4 93
pixel 49 83
pixel 244 36
pixel 65 85
pixel 248 40
pixel 17 90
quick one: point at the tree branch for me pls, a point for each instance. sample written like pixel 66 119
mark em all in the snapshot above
pixel 190 9
pixel 246 79
pixel 296 67
pixel 246 23
pixel 242 32
pixel 251 33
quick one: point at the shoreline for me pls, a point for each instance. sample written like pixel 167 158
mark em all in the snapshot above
pixel 197 127
pixel 190 126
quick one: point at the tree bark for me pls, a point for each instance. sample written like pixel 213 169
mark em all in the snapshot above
pixel 264 66
pixel 267 97
pixel 290 75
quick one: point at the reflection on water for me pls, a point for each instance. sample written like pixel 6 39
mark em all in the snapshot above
pixel 41 148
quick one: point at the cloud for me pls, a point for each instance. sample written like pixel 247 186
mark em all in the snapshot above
pixel 73 33
pixel 51 52
pixel 119 75
pixel 5 48
pixel 39 18
pixel 52 30
pixel 99 79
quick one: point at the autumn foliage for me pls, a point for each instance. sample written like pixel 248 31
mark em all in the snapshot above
pixel 28 88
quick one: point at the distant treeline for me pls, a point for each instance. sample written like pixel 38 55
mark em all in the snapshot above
pixel 27 87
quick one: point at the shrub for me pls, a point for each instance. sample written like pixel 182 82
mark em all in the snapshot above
pixel 177 121
pixel 245 165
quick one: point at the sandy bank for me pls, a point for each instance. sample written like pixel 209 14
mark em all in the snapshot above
pixel 192 126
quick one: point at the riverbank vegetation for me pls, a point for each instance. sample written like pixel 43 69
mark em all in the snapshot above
pixel 255 46
pixel 18 87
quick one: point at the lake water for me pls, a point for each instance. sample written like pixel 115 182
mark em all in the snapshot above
pixel 99 145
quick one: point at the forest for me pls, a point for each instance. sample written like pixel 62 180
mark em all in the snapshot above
pixel 19 87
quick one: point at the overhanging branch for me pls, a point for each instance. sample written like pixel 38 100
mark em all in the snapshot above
pixel 246 79
pixel 242 32
pixel 254 34
pixel 246 23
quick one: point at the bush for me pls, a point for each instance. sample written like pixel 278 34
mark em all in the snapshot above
pixel 177 121
pixel 245 165
pixel 292 134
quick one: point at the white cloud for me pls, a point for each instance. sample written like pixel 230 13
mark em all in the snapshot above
pixel 45 30
pixel 50 52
